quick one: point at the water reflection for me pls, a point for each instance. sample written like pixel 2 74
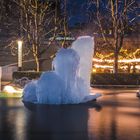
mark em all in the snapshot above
pixel 118 119
pixel 12 120
pixel 68 122
pixel 112 117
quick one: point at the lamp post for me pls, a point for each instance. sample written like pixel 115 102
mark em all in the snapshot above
pixel 0 77
pixel 20 42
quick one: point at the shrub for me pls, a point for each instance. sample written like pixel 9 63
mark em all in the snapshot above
pixel 29 74
pixel 115 79
pixel 96 78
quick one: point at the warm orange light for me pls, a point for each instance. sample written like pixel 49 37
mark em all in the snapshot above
pixel 120 61
pixel 102 66
pixel 94 70
pixel 111 67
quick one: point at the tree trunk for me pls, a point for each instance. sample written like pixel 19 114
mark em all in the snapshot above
pixel 116 52
pixel 134 68
pixel 37 64
pixel 36 57
pixel 129 68
pixel 115 68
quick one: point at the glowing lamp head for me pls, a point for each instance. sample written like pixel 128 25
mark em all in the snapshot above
pixel 20 42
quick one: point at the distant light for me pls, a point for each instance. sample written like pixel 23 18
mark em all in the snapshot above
pixel 11 90
pixel 111 67
pixel 102 66
pixel 65 38
pixel 94 70
pixel 120 61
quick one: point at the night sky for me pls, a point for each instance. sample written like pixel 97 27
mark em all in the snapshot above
pixel 77 11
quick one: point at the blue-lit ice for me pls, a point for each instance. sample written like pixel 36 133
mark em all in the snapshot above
pixel 69 82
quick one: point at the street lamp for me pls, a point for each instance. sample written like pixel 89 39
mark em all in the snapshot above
pixel 0 77
pixel 20 42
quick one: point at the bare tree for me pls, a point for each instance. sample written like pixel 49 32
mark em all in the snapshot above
pixel 1 9
pixel 39 20
pixel 118 17
pixel 131 53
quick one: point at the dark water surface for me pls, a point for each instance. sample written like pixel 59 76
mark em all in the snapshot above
pixel 115 116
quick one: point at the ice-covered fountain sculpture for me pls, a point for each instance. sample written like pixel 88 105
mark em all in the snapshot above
pixel 69 82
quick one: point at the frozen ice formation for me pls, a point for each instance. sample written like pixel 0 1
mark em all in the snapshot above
pixel 69 82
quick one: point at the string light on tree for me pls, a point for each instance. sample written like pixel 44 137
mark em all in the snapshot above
pixel 120 61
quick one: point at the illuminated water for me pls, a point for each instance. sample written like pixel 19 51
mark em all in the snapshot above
pixel 115 116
